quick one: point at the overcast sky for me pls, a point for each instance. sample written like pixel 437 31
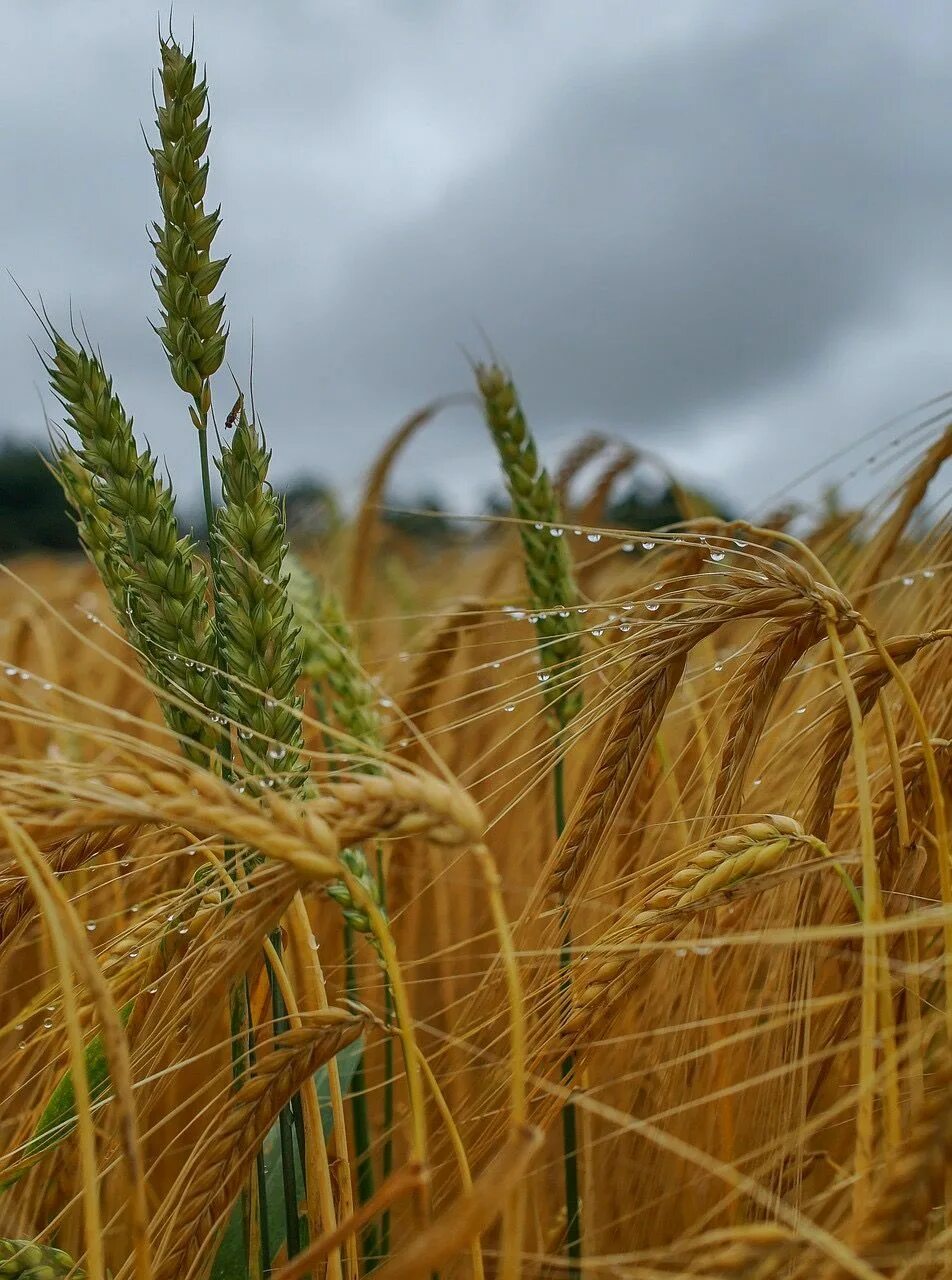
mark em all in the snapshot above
pixel 722 229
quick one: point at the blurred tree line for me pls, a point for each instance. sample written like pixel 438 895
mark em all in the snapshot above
pixel 33 515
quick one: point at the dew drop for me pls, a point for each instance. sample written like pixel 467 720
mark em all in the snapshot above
pixel 509 707
pixel 533 617
pixel 134 908
pixel 577 532
pixel 90 926
pixel 564 613
pixel 718 666
pixel 47 1024
pixel 928 573
pixel 270 703
pixel 267 581
pixel 134 953
pixel 627 546
pixel 496 665
pixel 22 1044
pixel 151 991
pixel 681 952
pixel 581 611
pixel 518 615
pixel 47 686
pixel 657 586
pixel 18 1027
pixel 717 556
pixel 277 752
pixel 625 626
pixel 50 1008
pixel 543 677
pixel 756 782
pixel 386 702
pixel 183 928
pixel 11 671
pixel 594 537
pixel 908 580
pixel 539 525
pixel 801 711
pixel 739 543
pixel 652 606
pixel 556 533
pixel 597 631
pixel 648 546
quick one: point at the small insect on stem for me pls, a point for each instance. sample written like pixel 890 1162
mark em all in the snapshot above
pixel 235 412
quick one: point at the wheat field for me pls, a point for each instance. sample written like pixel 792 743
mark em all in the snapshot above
pixel 557 899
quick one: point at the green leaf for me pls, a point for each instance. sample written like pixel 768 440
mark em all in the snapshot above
pixel 59 1115
pixel 230 1260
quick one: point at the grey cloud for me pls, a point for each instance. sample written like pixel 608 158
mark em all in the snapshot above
pixel 674 226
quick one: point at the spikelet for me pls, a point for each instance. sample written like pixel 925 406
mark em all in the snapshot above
pixel 153 576
pixel 29 1261
pixel 191 331
pixel 548 565
pixel 259 641
pixel 95 526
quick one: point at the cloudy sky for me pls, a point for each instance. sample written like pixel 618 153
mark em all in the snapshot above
pixel 720 228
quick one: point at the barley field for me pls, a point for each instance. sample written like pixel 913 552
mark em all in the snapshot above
pixel 553 900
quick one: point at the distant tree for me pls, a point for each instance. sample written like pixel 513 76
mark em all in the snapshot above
pixel 644 507
pixel 33 512
pixel 426 519
pixel 312 508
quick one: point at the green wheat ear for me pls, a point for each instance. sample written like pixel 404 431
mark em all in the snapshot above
pixel 548 566
pixel 126 515
pixel 29 1261
pixel 330 659
pixel 192 331
pixel 259 639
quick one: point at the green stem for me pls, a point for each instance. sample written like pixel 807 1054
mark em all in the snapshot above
pixel 206 480
pixel 387 1167
pixel 285 1129
pixel 263 1232
pixel 358 1102
pixel 573 1202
